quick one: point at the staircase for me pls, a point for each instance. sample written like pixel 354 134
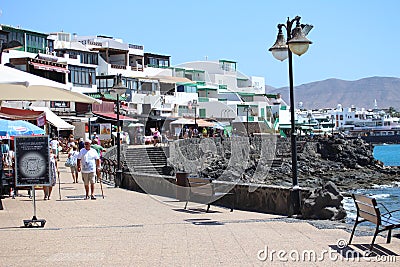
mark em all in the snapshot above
pixel 146 159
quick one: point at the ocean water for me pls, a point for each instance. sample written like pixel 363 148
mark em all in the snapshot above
pixel 388 195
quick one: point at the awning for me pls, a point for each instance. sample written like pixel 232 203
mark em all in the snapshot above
pixel 203 123
pixel 113 116
pixel 54 120
pixel 183 121
pixel 41 66
pixel 173 80
pixel 19 85
pixel 20 114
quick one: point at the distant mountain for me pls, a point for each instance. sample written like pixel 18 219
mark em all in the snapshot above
pixel 331 92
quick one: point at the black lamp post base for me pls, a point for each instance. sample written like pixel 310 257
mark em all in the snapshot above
pixel 118 178
pixel 295 202
pixel 37 223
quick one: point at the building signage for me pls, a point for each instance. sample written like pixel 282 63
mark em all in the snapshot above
pixel 105 131
pixel 59 104
pixel 32 162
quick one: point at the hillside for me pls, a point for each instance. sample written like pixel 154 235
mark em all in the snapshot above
pixel 360 93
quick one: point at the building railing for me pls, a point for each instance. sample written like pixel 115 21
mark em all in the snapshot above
pixel 115 66
pixel 136 68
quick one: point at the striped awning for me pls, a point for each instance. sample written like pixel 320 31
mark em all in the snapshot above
pixel 41 66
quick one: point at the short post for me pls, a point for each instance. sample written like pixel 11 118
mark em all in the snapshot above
pixel 182 185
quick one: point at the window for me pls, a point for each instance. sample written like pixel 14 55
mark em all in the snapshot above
pixel 81 76
pixel 50 45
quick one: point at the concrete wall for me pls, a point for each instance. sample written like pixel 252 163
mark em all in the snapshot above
pixel 250 197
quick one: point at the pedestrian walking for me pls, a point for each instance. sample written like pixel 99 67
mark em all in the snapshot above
pixel 89 164
pixel 73 157
pixel 53 176
pixel 96 146
pixel 54 144
pixel 81 144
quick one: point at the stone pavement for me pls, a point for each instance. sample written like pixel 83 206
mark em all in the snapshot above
pixel 127 228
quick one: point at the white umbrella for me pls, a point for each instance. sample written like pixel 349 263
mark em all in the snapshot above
pixel 136 125
pixel 183 121
pixel 17 85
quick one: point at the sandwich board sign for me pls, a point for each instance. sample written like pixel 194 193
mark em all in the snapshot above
pixel 32 168
pixel 32 161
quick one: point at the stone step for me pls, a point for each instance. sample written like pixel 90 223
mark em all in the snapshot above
pixel 146 159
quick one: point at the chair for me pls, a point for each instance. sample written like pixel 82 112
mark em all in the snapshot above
pixel 368 210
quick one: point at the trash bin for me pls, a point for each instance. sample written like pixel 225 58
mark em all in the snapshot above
pixel 182 189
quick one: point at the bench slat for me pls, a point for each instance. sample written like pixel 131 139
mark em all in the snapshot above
pixel 367 208
pixel 366 199
pixel 199 180
pixel 205 191
pixel 369 217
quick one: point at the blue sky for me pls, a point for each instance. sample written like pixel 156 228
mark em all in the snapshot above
pixel 352 39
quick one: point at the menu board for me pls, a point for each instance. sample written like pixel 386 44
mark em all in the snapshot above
pixel 32 160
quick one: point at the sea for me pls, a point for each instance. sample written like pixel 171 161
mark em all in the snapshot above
pixel 388 195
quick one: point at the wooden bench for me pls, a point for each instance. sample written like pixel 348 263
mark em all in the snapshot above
pixel 205 189
pixel 368 211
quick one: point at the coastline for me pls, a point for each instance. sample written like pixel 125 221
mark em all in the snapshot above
pixel 348 163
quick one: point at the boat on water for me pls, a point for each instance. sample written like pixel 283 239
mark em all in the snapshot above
pixel 377 135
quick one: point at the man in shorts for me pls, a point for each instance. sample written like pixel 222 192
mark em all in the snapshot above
pixel 88 163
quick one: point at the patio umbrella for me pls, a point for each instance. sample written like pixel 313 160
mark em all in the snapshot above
pixel 137 124
pixel 183 121
pixel 18 127
pixel 17 85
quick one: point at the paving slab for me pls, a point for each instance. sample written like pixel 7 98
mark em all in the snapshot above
pixel 128 228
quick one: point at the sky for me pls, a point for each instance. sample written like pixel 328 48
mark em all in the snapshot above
pixel 352 39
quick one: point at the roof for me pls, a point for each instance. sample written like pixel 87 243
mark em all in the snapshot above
pixel 20 114
pixel 53 119
pixel 166 79
pixel 113 116
pixel 231 96
pixel 106 96
pixel 41 66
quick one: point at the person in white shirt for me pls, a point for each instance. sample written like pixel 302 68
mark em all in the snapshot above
pixel 88 163
pixel 54 146
pixel 73 153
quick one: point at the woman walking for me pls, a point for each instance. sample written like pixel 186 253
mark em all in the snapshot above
pixel 73 156
pixel 53 175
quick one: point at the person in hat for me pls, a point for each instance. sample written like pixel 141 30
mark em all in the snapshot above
pixel 88 163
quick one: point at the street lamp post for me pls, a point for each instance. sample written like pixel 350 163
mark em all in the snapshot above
pixel 296 43
pixel 333 125
pixel 89 115
pixel 247 109
pixel 195 105
pixel 118 89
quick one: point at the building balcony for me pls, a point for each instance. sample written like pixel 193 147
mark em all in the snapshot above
pixel 136 68
pixel 115 66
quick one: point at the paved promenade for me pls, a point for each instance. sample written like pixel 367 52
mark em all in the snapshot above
pixel 132 229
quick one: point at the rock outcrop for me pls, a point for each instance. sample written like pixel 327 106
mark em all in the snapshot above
pixel 348 163
pixel 326 166
pixel 324 203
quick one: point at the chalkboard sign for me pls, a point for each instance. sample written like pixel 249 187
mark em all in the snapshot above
pixel 32 163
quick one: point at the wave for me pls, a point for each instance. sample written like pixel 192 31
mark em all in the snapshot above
pixel 381 186
pixel 350 208
pixel 381 196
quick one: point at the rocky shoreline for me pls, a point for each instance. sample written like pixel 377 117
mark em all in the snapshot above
pixel 328 168
pixel 348 163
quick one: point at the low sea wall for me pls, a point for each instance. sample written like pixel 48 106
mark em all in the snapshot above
pixel 249 197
